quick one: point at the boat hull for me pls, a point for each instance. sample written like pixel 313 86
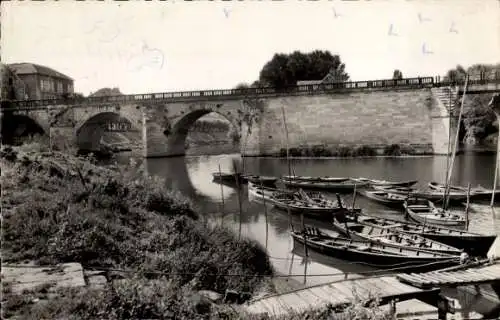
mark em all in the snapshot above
pixel 379 196
pixel 381 261
pixel 337 186
pixel 393 184
pixel 437 246
pixel 473 243
pixel 424 212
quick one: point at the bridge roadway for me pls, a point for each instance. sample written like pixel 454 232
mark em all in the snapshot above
pixel 248 93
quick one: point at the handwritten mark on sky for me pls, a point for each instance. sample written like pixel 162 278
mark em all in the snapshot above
pixel 107 31
pixel 452 28
pixel 421 18
pixel 391 30
pixel 335 14
pixel 226 12
pixel 148 57
pixel 425 50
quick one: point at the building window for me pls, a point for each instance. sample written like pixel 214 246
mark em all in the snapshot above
pixel 59 87
pixel 47 85
pixel 70 88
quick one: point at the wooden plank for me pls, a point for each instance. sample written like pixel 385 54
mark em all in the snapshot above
pixel 346 289
pixel 319 295
pixel 414 281
pixel 450 278
pixel 475 276
pixel 381 286
pixel 360 287
pixel 315 301
pixel 307 297
pixel 395 285
pixel 334 296
pixel 298 301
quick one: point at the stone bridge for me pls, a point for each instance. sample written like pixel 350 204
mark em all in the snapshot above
pixel 375 113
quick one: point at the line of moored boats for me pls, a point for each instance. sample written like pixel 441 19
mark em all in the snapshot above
pixel 435 237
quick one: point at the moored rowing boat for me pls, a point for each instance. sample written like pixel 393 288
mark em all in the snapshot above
pixel 371 253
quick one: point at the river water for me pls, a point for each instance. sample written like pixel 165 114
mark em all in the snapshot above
pixel 192 176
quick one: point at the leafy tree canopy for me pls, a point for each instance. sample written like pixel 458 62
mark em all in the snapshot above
pixel 459 72
pixel 397 75
pixel 286 69
pixel 103 92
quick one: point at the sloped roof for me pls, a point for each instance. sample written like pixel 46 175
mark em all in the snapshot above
pixel 32 68
pixel 308 82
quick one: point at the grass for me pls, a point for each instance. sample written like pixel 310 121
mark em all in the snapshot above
pixel 60 208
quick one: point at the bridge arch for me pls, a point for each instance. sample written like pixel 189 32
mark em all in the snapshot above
pixel 177 132
pixel 90 133
pixel 16 127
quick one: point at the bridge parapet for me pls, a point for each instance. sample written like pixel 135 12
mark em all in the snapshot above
pixel 221 94
pixel 262 92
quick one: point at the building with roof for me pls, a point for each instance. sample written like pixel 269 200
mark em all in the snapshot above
pixel 40 82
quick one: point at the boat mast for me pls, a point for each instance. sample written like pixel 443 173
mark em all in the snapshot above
pixel 447 190
pixel 449 147
pixel 289 167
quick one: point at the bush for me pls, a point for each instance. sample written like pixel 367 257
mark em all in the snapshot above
pixel 365 151
pixel 392 150
pixel 320 151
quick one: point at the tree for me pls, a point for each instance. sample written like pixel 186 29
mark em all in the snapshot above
pixel 455 75
pixel 397 75
pixel 286 69
pixel 103 92
pixel 242 85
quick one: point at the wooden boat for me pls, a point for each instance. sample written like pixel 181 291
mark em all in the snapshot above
pixel 347 185
pixel 267 181
pixel 373 254
pixel 478 192
pixel 349 226
pixel 316 198
pixel 309 204
pixel 315 179
pixel 225 176
pixel 385 183
pixel 433 195
pixel 473 243
pixel 389 199
pixel 424 211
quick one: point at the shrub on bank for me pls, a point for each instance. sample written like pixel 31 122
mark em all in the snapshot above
pixel 59 208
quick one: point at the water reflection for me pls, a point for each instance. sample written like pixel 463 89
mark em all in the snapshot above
pixel 193 177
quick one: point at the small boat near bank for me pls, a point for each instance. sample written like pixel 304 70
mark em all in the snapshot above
pixel 478 192
pixel 374 254
pixel 385 183
pixel 309 203
pixel 473 243
pixel 383 197
pixel 432 195
pixel 350 226
pixel 268 181
pixel 227 177
pixel 424 211
pixel 340 186
pixel 314 179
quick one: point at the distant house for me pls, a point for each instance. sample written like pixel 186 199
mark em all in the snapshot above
pixel 41 82
pixel 329 78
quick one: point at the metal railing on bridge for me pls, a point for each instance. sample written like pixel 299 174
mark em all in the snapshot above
pixel 419 82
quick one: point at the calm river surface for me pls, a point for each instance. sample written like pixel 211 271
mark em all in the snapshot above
pixel 192 176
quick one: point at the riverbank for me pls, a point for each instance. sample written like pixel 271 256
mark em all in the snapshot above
pixel 59 208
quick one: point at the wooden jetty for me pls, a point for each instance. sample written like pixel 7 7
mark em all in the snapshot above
pixel 338 294
pixel 425 287
pixel 454 277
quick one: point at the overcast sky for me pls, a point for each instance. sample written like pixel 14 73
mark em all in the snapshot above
pixel 157 46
